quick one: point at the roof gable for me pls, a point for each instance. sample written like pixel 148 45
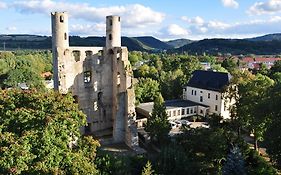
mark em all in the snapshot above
pixel 209 80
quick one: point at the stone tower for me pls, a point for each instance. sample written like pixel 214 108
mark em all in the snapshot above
pixel 60 40
pixel 113 31
pixel 100 79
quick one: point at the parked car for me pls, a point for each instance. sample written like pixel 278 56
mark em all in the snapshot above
pixel 205 125
pixel 179 123
pixel 185 122
pixel 173 125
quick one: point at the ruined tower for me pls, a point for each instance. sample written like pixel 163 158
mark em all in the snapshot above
pixel 100 79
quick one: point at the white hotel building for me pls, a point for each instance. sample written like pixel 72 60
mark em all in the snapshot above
pixel 202 96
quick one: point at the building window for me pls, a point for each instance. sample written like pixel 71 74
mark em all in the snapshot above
pixel 100 52
pixel 89 53
pixel 61 19
pixel 119 19
pixel 216 97
pixel 179 112
pixel 76 55
pixel 174 113
pixel 192 92
pixel 209 95
pixel 201 98
pixel 118 79
pixel 195 109
pixel 110 22
pixel 110 37
pixel 191 110
pixel 201 111
pixel 187 110
pixel 201 91
pixel 195 93
pixel 216 108
pixel 65 36
pixel 87 77
pixel 182 112
pixel 95 106
pixel 169 113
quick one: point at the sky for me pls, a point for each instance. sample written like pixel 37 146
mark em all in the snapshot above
pixel 163 19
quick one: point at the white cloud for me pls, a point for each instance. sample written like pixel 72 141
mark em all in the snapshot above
pixel 176 30
pixel 218 25
pixel 195 21
pixel 11 29
pixel 134 15
pixel 230 3
pixel 2 5
pixel 173 31
pixel 216 28
pixel 88 29
pixel 269 7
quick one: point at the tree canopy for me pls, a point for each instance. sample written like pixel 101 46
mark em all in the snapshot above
pixel 40 134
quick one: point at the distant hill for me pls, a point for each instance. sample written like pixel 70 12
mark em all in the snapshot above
pixel 179 42
pixel 268 44
pixel 233 46
pixel 149 44
pixel 269 37
pixel 152 42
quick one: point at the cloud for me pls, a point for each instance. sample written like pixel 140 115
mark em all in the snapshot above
pixel 95 29
pixel 11 29
pixel 218 25
pixel 176 30
pixel 216 28
pixel 230 3
pixel 133 15
pixel 3 5
pixel 196 20
pixel 173 31
pixel 269 7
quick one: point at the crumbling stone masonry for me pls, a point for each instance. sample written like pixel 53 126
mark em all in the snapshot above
pixel 100 79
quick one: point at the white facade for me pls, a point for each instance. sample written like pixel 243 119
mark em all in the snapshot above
pixel 179 113
pixel 213 99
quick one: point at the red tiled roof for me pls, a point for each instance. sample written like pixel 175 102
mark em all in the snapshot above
pixel 259 59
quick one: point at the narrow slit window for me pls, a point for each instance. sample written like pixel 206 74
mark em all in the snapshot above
pixel 87 77
pixel 118 79
pixel 110 37
pixel 65 36
pixel 61 19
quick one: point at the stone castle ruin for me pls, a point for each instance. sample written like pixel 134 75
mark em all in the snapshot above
pixel 100 79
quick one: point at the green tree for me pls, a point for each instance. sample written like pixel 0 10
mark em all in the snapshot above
pixel 276 67
pixel 158 125
pixel 273 135
pixel 229 64
pixel 250 106
pixel 147 170
pixel 146 90
pixel 40 134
